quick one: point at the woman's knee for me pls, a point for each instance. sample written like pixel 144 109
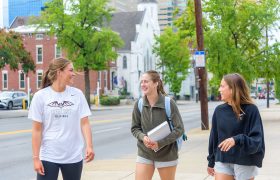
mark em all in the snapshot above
pixel 167 173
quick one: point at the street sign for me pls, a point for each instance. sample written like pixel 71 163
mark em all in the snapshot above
pixel 199 59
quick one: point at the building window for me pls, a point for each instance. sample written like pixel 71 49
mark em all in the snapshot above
pixel 58 51
pixel 39 54
pixel 21 80
pixel 39 78
pixel 39 36
pixel 4 80
pixel 124 62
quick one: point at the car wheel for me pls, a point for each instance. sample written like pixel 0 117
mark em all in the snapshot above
pixel 10 105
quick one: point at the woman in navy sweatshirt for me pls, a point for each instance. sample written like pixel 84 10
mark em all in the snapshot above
pixel 236 143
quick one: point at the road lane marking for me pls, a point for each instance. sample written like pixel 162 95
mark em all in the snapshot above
pixel 106 130
pixel 15 132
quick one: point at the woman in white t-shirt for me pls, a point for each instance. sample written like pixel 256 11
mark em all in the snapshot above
pixel 60 125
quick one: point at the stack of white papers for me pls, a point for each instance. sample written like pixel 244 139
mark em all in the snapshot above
pixel 159 132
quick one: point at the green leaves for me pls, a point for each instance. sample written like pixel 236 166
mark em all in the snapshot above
pixel 79 27
pixel 235 40
pixel 174 58
pixel 80 30
pixel 13 53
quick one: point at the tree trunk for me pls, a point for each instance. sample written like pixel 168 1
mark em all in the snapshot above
pixel 87 85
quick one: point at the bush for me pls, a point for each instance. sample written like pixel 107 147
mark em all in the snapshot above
pixel 122 97
pixel 109 100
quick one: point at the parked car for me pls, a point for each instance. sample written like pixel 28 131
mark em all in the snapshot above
pixel 10 99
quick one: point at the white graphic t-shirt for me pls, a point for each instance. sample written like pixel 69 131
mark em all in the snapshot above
pixel 60 114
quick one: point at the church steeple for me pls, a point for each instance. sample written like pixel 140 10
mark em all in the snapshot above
pixel 151 8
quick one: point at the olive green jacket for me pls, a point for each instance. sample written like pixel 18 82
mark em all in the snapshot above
pixel 150 118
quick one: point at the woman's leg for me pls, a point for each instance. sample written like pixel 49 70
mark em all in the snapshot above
pixel 51 171
pixel 167 173
pixel 72 171
pixel 144 171
pixel 221 176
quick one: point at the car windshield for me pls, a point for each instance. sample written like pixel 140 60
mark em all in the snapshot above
pixel 6 94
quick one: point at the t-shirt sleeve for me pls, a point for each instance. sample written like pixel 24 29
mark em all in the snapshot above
pixel 36 108
pixel 83 107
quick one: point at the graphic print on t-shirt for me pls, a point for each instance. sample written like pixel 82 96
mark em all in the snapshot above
pixel 60 105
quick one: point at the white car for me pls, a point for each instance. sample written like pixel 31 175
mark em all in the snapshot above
pixel 10 99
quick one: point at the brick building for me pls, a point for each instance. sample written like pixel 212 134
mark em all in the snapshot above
pixel 44 49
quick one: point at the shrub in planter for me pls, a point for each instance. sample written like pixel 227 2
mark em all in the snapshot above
pixel 109 100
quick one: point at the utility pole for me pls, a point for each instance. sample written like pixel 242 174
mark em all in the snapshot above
pixel 202 74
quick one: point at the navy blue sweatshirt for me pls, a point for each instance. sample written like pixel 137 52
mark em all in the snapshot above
pixel 247 132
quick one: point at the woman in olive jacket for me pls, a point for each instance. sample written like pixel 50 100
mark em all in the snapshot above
pixel 153 113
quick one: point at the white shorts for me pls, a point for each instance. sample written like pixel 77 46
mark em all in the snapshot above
pixel 240 172
pixel 157 164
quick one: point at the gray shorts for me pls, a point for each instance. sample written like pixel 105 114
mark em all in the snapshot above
pixel 157 164
pixel 240 172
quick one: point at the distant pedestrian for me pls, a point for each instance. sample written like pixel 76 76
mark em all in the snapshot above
pixel 153 113
pixel 60 125
pixel 236 142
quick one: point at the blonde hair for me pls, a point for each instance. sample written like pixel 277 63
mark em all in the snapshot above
pixel 240 92
pixel 155 77
pixel 51 74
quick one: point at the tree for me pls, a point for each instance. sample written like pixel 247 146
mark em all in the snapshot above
pixel 174 58
pixel 235 37
pixel 13 53
pixel 81 28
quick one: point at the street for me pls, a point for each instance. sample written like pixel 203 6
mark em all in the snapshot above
pixel 110 129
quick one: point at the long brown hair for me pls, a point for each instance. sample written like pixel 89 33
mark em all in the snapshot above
pixel 240 92
pixel 155 77
pixel 51 74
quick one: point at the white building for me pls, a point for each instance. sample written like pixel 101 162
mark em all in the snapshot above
pixel 138 30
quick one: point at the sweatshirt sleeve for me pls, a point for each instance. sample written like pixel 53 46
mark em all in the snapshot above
pixel 178 126
pixel 213 142
pixel 136 128
pixel 251 142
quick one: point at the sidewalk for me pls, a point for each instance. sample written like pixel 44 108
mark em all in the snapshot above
pixel 192 161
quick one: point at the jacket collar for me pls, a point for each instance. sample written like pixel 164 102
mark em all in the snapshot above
pixel 160 102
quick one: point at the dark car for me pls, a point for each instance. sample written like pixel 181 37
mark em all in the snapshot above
pixel 10 99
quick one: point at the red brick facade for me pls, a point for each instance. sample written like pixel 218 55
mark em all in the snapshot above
pixel 48 45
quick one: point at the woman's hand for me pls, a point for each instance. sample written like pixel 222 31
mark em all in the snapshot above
pixel 227 144
pixel 38 166
pixel 148 142
pixel 89 154
pixel 155 146
pixel 211 171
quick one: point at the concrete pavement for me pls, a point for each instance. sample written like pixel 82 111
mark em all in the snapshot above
pixel 192 161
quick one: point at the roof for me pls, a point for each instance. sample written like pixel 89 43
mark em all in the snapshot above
pixel 19 21
pixel 123 22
